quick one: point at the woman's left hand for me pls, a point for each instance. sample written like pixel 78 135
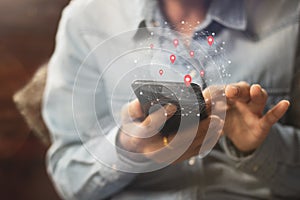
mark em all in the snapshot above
pixel 245 124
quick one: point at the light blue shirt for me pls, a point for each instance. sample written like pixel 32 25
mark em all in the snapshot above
pixel 261 40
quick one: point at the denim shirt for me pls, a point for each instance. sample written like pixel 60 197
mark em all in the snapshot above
pixel 261 38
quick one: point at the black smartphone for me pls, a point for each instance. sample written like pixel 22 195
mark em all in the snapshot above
pixel 188 99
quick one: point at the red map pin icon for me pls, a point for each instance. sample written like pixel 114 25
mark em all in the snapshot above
pixel 161 72
pixel 175 42
pixel 192 53
pixel 202 73
pixel 172 58
pixel 187 80
pixel 151 46
pixel 210 40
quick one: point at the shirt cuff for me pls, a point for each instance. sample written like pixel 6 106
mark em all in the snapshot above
pixel 263 161
pixel 137 161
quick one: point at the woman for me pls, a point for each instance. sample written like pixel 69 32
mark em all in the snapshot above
pixel 258 156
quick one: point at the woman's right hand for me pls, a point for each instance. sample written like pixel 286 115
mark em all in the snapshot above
pixel 141 135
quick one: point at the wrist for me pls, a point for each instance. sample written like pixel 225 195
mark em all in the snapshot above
pixel 235 151
pixel 128 149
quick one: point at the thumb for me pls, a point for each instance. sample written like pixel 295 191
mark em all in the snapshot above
pixel 274 115
pixel 156 119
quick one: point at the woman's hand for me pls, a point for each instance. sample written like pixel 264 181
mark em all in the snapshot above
pixel 141 135
pixel 245 124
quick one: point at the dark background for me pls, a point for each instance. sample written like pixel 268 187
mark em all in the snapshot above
pixel 27 30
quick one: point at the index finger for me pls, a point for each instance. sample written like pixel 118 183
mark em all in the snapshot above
pixel 156 119
pixel 238 92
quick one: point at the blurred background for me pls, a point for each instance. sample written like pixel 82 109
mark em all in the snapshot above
pixel 27 31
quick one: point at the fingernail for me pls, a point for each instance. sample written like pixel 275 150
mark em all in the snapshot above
pixel 170 109
pixel 257 87
pixel 264 92
pixel 283 105
pixel 286 102
pixel 234 90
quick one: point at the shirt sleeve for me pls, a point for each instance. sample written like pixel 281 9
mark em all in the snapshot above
pixel 277 161
pixel 74 169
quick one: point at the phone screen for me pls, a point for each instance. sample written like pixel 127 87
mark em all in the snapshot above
pixel 188 100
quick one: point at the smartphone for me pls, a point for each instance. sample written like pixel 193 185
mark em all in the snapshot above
pixel 189 101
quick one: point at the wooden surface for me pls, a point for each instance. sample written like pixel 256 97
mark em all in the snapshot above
pixel 27 30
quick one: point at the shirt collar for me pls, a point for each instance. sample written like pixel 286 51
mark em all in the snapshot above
pixel 229 13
